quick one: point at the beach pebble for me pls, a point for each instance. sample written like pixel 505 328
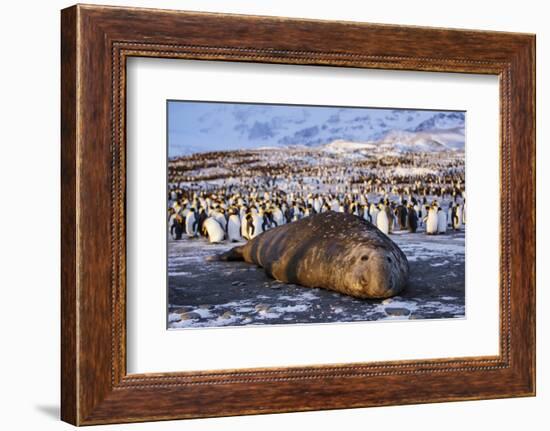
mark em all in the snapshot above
pixel 190 315
pixel 227 315
pixel 262 308
pixel 397 311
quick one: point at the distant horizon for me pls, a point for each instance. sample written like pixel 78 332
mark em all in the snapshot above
pixel 199 127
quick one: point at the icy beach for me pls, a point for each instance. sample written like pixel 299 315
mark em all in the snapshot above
pixel 214 294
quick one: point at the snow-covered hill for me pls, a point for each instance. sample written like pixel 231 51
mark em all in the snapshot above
pixel 423 141
pixel 400 141
pixel 340 146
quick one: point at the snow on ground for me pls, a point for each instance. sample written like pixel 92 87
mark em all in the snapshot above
pixel 213 294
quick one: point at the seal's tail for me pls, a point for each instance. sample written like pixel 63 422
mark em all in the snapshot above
pixel 235 254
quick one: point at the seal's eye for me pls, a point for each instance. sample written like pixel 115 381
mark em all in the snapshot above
pixel 389 259
pixel 365 257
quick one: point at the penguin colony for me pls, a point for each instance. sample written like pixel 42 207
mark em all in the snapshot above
pixel 234 196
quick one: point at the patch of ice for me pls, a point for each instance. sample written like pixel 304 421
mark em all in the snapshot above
pixel 397 303
pixel 203 312
pixel 224 321
pixel 219 321
pixel 291 308
pixel 236 304
pixel 177 273
pixel 267 315
pixel 244 309
pixel 174 317
pixel 445 308
pixel 305 296
pixel 182 324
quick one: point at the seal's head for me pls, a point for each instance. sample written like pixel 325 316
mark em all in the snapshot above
pixel 377 273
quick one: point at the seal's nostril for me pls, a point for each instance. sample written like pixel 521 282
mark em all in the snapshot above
pixel 364 257
pixel 389 259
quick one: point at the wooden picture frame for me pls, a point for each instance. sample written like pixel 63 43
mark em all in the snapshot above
pixel 95 43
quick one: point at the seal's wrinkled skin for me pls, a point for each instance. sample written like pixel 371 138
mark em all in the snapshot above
pixel 331 250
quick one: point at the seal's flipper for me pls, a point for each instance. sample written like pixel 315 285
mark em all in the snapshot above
pixel 235 254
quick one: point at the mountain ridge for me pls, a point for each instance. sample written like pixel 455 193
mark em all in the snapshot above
pixel 230 126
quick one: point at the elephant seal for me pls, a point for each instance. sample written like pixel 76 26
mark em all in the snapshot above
pixel 336 251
